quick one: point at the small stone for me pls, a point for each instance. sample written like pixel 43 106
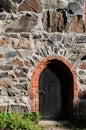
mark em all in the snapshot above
pixel 4 40
pixel 82 73
pixel 22 44
pixel 2 16
pixel 31 5
pixel 3 108
pixel 3 92
pixel 18 108
pixel 27 63
pixel 83 81
pixel 23 86
pixel 82 94
pixel 82 66
pixel 17 62
pixel 23 53
pixel 24 99
pixel 11 54
pixel 25 35
pixel 5 82
pixel 2 56
pixel 12 91
pixel 39 44
pixel 19 72
pixel 4 74
pixel 6 67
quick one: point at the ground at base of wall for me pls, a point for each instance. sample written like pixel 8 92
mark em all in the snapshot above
pixel 58 128
pixel 61 125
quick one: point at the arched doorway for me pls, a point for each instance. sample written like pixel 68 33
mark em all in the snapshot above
pixel 71 87
pixel 56 91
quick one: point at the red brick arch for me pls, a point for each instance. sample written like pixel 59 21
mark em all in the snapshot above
pixel 34 84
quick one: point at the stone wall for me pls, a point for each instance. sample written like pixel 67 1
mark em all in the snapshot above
pixel 28 37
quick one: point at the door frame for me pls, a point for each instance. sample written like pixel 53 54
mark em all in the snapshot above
pixel 34 80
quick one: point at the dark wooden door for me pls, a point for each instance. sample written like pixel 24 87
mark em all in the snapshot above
pixel 50 94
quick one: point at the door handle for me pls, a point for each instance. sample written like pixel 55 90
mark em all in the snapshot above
pixel 41 92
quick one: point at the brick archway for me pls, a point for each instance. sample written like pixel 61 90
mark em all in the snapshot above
pixel 34 84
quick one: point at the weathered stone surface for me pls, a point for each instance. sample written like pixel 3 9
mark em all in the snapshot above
pixel 4 40
pixel 7 5
pixel 18 108
pixel 11 54
pixel 83 81
pixel 24 23
pixel 55 4
pixel 6 67
pixel 17 62
pixel 3 92
pixel 82 108
pixel 22 44
pixel 25 35
pixel 76 24
pixel 82 65
pixel 82 73
pixel 3 108
pixel 17 1
pixel 82 94
pixel 75 7
pixel 55 21
pixel 23 53
pixel 23 86
pixel 5 82
pixel 4 74
pixel 26 46
pixel 27 63
pixel 2 16
pixel 12 91
pixel 20 72
pixel 2 56
pixel 31 5
pixel 24 99
pixel 81 2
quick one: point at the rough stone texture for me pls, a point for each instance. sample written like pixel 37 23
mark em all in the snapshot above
pixel 76 24
pixel 4 40
pixel 7 5
pixel 17 1
pixel 54 22
pixel 58 22
pixel 22 44
pixel 17 62
pixel 82 94
pixel 3 108
pixel 27 39
pixel 31 5
pixel 23 23
pixel 82 108
pixel 75 7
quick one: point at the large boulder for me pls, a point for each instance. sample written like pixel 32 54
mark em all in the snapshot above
pixel 31 5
